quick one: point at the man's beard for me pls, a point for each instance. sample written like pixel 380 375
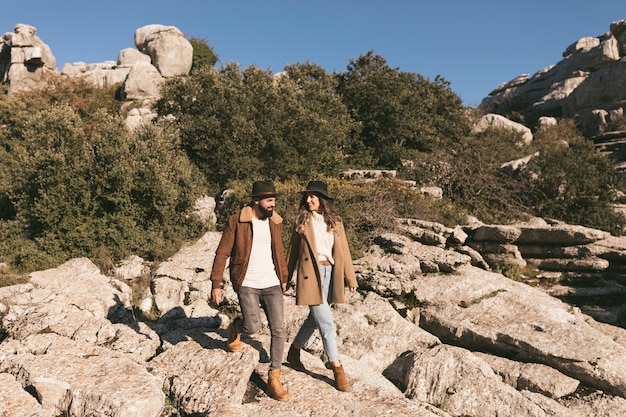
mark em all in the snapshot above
pixel 265 213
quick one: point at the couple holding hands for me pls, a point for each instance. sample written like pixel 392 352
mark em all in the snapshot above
pixel 260 270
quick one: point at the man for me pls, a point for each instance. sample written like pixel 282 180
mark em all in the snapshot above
pixel 252 240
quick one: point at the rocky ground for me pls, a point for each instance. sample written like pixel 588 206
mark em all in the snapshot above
pixel 431 332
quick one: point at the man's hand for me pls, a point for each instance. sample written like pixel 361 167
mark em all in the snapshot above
pixel 216 296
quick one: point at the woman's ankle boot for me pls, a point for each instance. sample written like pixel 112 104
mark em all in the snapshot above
pixel 341 382
pixel 293 357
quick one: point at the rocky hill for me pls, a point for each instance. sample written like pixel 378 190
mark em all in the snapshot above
pixel 587 84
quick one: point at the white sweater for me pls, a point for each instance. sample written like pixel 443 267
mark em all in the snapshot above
pixel 324 239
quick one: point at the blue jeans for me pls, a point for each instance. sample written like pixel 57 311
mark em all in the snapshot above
pixel 320 317
pixel 271 300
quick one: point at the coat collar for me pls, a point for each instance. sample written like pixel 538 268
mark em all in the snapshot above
pixel 246 215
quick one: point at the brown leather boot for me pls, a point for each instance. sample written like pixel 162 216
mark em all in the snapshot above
pixel 293 357
pixel 274 388
pixel 234 339
pixel 341 383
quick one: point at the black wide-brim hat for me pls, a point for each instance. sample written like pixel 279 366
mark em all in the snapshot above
pixel 318 187
pixel 263 189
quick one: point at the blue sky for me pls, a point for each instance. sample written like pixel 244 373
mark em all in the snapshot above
pixel 475 45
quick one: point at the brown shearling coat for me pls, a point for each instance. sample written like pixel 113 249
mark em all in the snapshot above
pixel 236 244
pixel 302 253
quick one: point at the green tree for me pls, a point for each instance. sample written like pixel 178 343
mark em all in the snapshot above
pixel 212 109
pixel 314 125
pixel 243 124
pixel 401 113
pixel 203 54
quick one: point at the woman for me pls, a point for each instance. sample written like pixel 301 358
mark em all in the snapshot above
pixel 319 249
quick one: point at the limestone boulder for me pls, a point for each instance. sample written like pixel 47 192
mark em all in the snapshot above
pixel 16 402
pixel 566 235
pixel 595 92
pixel 371 330
pixel 533 377
pixel 129 57
pixel 170 52
pixel 462 384
pixel 554 408
pixel 512 168
pixel 201 376
pixel 138 117
pixel 26 62
pixel 131 268
pixel 546 122
pixel 495 233
pixel 586 82
pixel 618 29
pixel 88 385
pixel 102 75
pixel 597 404
pixel 204 208
pixel 484 311
pixel 313 393
pixel 497 121
pixel 87 309
pixel 142 82
pixel 185 277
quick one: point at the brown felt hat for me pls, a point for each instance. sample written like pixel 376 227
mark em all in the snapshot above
pixel 263 189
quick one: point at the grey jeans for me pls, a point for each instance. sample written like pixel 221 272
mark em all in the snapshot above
pixel 271 300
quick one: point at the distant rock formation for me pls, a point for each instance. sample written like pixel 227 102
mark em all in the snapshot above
pixel 25 60
pixel 170 52
pixel 587 84
pixel 497 121
pixel 162 52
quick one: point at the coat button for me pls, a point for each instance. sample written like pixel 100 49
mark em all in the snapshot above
pixel 306 277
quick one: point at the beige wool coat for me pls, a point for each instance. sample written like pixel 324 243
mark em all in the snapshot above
pixel 302 253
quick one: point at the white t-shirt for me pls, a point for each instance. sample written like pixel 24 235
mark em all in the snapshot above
pixel 261 272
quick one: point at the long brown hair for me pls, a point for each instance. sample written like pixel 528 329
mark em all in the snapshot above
pixel 303 218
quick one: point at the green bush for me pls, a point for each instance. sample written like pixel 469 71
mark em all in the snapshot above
pixel 98 191
pixel 572 182
pixel 509 268
pixel 81 95
pixel 470 176
pixel 567 179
